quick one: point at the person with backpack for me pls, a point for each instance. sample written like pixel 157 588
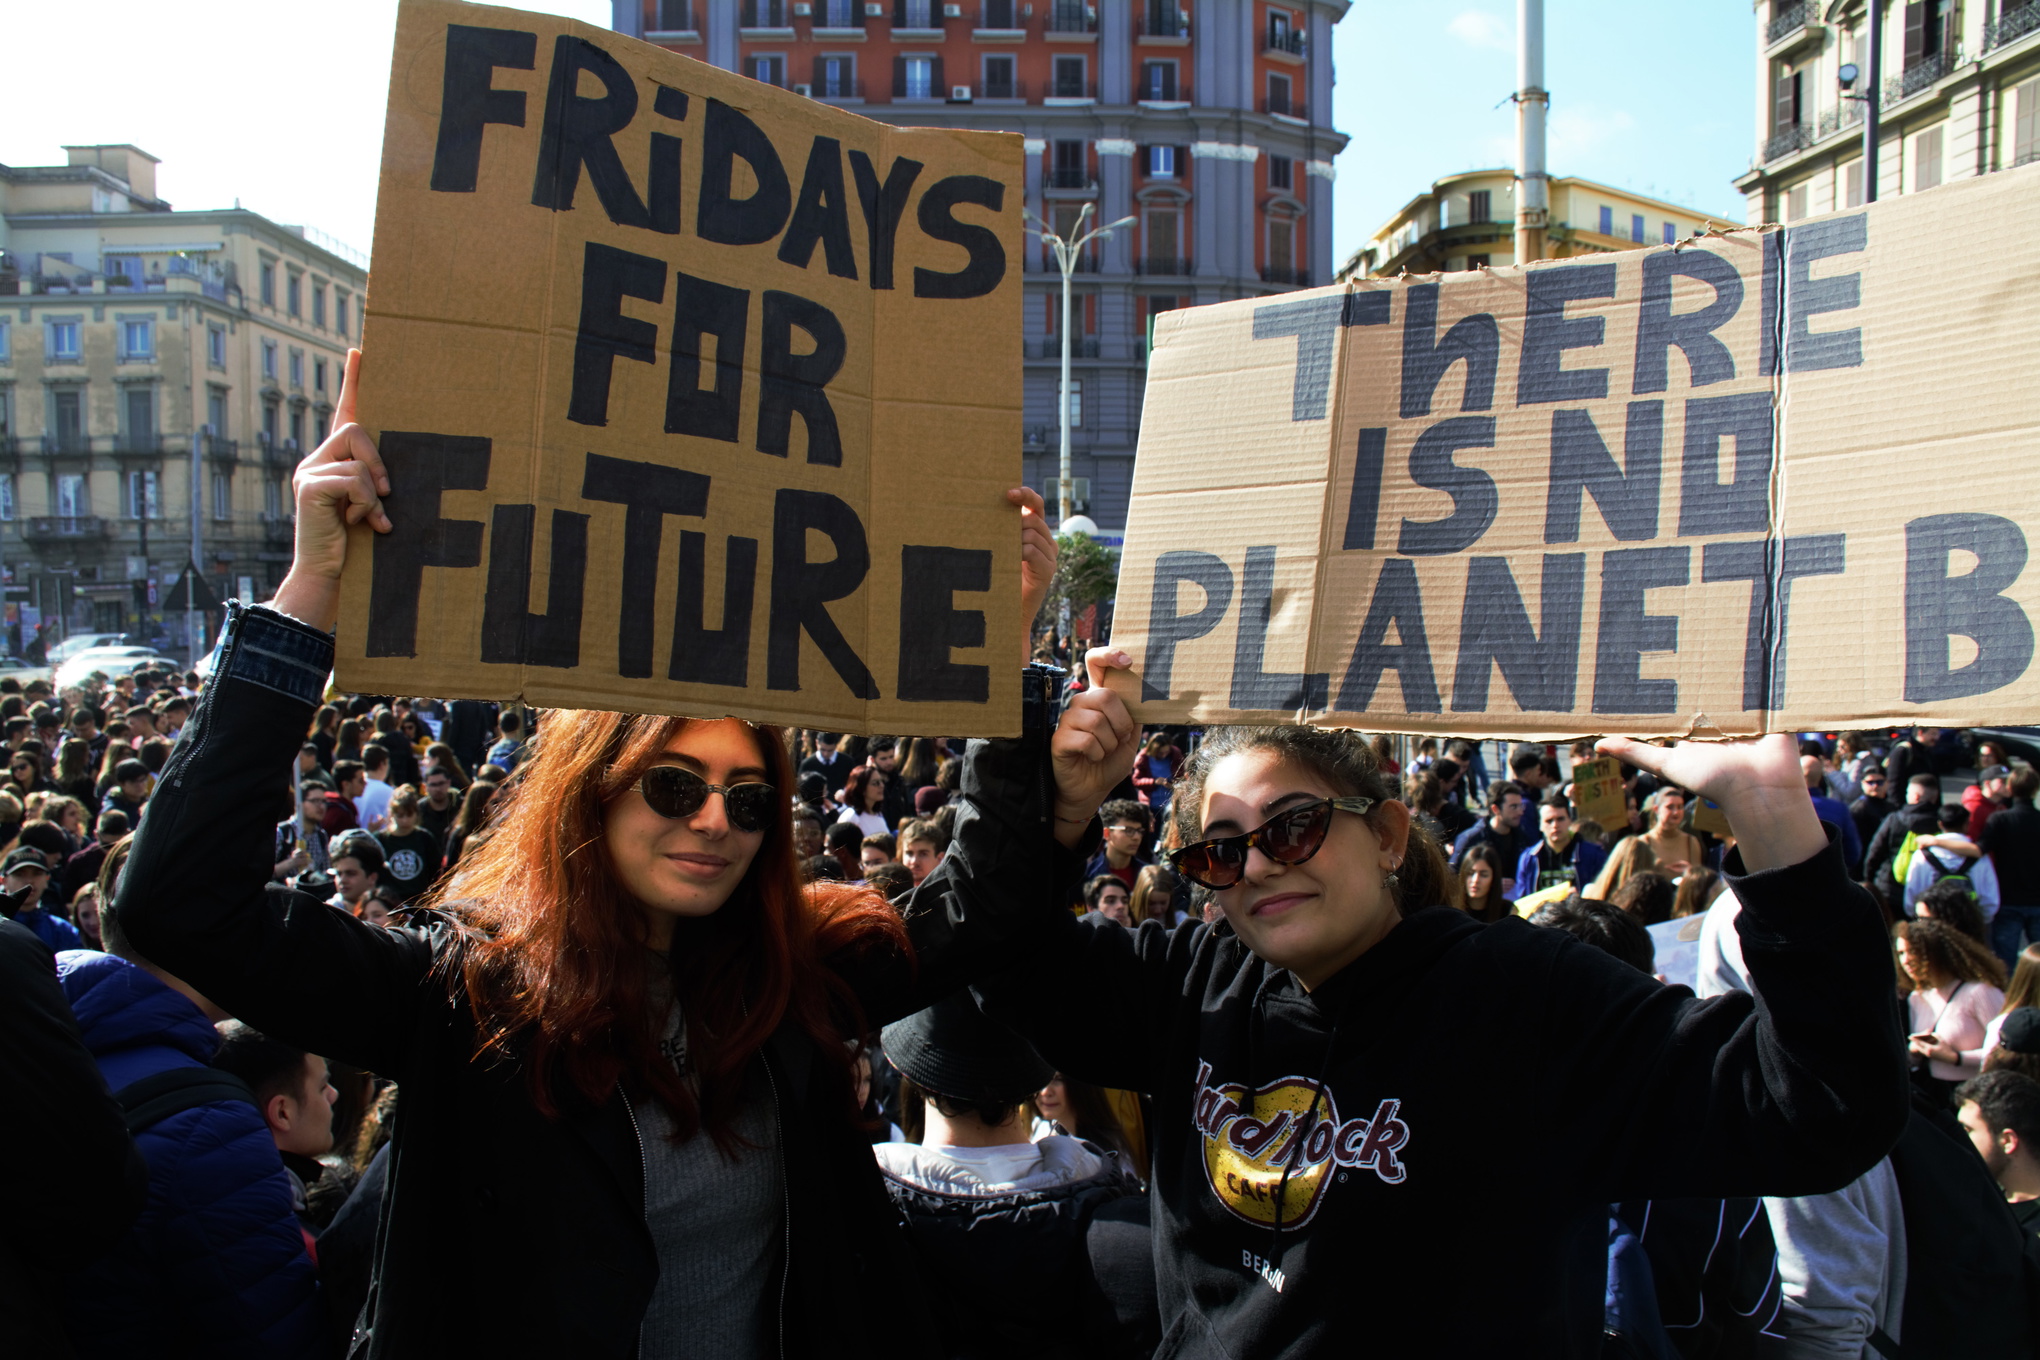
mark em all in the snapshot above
pixel 1919 817
pixel 1925 865
pixel 216 1263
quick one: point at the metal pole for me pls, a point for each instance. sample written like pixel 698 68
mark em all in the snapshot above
pixel 1873 93
pixel 191 641
pixel 1533 200
pixel 1065 254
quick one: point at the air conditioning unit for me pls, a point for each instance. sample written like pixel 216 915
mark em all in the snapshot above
pixel 952 11
pixel 802 11
pixel 804 91
pixel 959 94
pixel 874 11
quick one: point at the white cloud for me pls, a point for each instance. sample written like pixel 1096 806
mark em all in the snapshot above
pixel 1477 28
pixel 1573 134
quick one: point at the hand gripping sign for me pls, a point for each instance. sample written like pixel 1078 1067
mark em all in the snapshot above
pixel 697 396
pixel 1770 480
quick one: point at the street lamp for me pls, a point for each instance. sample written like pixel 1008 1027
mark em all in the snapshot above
pixel 1847 76
pixel 1066 259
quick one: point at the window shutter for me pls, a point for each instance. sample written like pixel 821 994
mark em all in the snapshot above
pixel 821 77
pixel 936 88
pixel 899 77
pixel 1915 31
pixel 899 13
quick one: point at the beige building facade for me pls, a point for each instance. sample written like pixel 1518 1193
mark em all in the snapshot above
pixel 1467 221
pixel 132 336
pixel 1960 96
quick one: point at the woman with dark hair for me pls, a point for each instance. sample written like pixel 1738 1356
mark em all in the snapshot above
pixel 623 1028
pixel 347 746
pixel 1478 890
pixel 917 767
pixel 864 800
pixel 403 760
pixel 1648 896
pixel 474 814
pixel 325 733
pixel 1328 1059
pixel 1086 1112
pixel 74 772
pixel 440 756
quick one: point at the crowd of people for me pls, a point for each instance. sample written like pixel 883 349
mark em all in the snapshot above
pixel 384 1026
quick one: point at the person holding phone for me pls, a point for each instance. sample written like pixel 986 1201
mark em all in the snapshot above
pixel 623 1030
pixel 1346 1074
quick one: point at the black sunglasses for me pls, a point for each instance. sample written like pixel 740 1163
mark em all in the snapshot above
pixel 1289 837
pixel 676 791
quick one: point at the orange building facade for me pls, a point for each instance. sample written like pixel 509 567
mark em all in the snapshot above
pixel 1207 121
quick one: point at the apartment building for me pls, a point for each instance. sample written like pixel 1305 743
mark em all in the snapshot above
pixel 132 336
pixel 1959 96
pixel 1208 121
pixel 1468 221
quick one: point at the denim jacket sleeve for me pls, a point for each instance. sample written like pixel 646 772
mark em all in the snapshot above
pixel 197 899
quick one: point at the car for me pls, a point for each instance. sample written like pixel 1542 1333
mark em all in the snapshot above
pixel 85 642
pixel 110 660
pixel 15 669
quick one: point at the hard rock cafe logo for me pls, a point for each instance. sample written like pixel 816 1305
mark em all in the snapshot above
pixel 1250 1139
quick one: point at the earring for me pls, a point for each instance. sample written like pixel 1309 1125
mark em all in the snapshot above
pixel 1392 881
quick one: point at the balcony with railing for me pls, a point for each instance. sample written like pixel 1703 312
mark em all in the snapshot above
pixel 1298 278
pixel 1081 347
pixel 278 531
pixel 1787 140
pixel 67 445
pixel 1162 23
pixel 1037 436
pixel 1000 20
pixel 2011 25
pixel 65 528
pixel 1005 88
pixel 222 450
pixel 1063 90
pixel 1847 115
pixel 1789 21
pixel 1069 180
pixel 1165 266
pixel 1283 43
pixel 1921 75
pixel 1285 106
pixel 138 446
pixel 1070 19
pixel 770 16
pixel 841 87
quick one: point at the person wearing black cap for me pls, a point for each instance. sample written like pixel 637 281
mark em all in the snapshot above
pixel 1002 1227
pixel 28 873
pixel 2012 1042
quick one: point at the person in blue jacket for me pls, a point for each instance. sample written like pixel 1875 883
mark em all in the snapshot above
pixel 215 1265
pixel 1560 855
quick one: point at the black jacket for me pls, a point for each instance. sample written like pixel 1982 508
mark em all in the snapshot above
pixel 70 1180
pixel 1487 1092
pixel 504 1232
pixel 1880 856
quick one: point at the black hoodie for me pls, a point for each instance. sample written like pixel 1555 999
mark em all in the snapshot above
pixel 1467 1101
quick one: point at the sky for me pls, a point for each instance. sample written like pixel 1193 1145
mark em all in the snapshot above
pixel 281 105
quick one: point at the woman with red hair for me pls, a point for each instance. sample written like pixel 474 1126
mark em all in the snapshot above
pixel 622 1027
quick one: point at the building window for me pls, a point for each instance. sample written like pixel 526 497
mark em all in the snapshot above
pixel 137 339
pixel 6 343
pixel 1162 162
pixel 63 340
pixel 268 274
pixel 1076 403
pixel 2025 128
pixel 69 409
pixel 916 14
pixel 319 375
pixel 216 346
pixel 1069 78
pixel 835 78
pixel 1282 35
pixel 1164 240
pixel 1000 82
pixel 322 425
pixel 318 303
pixel 139 407
pixel 1070 171
pixel 1852 184
pixel 269 360
pixel 297 430
pixel 6 412
pixel 1636 228
pixel 272 497
pixel 1479 206
pixel 769 70
pixel 916 78
pixel 1281 172
pixel 1158 81
pixel 767 14
pixel 1607 221
pixel 1785 103
pixel 1795 203
pixel 222 495
pixel 216 412
pixel 138 496
pixel 271 422
pixel 1278 96
pixel 6 495
pixel 1281 250
pixel 1671 233
pixel 297 368
pixel 293 293
pixel 74 495
pixel 1927 159
pixel 1477 261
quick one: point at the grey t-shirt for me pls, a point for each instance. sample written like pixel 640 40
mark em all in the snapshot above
pixel 717 1225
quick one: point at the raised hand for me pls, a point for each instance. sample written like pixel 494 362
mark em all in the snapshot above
pixel 340 485
pixel 1094 747
pixel 1037 563
pixel 1758 785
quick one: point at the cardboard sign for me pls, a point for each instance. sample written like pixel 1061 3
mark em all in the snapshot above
pixel 697 396
pixel 1773 480
pixel 1598 791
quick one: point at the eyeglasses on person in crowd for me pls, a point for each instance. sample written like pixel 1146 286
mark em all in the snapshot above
pixel 676 791
pixel 1289 837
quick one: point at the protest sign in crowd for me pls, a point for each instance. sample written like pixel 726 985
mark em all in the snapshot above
pixel 429 974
